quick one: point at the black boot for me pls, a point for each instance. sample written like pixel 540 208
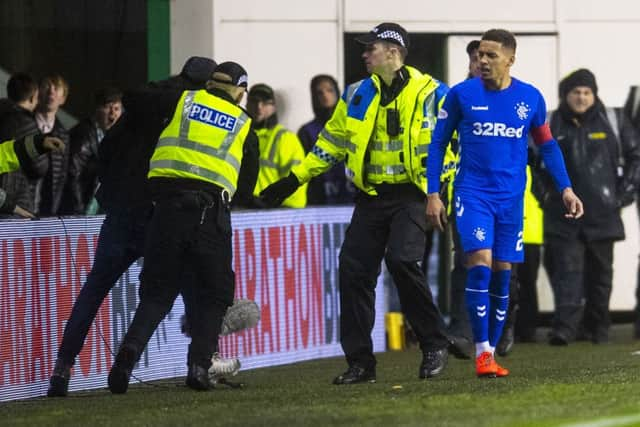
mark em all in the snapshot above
pixel 433 363
pixel 121 370
pixel 198 378
pixel 505 345
pixel 59 381
pixel 356 374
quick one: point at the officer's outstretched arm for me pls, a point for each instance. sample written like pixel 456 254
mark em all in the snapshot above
pixel 21 152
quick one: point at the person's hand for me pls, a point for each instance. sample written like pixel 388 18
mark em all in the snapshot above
pixel 436 212
pixel 51 143
pixel 572 203
pixel 23 212
pixel 275 193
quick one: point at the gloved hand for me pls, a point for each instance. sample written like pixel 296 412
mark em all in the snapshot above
pixel 275 193
pixel 46 143
pixel 627 194
pixel 626 198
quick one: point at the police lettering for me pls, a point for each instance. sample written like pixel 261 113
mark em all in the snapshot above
pixel 497 129
pixel 212 117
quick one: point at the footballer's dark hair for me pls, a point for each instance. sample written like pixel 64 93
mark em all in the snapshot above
pixel 504 37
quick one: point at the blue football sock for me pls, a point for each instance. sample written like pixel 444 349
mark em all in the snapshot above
pixel 476 294
pixel 498 304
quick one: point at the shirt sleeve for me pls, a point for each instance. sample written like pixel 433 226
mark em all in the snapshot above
pixel 448 119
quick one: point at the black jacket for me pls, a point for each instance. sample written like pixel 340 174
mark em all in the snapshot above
pixel 49 189
pixel 591 152
pixel 82 179
pixel 16 122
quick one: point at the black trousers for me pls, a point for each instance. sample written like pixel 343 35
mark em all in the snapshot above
pixel 188 230
pixel 527 319
pixel 390 226
pixel 581 276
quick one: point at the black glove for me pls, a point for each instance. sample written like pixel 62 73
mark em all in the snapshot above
pixel 627 194
pixel 275 194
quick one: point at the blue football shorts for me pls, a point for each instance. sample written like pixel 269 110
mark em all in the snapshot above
pixel 486 222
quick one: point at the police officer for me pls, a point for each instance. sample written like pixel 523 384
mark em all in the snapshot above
pixel 194 173
pixel 280 149
pixel 381 129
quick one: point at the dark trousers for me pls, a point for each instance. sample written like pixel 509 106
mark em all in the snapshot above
pixel 188 230
pixel 120 243
pixel 581 276
pixel 392 227
pixel 459 324
pixel 527 273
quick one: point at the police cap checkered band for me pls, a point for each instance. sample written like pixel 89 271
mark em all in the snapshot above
pixel 387 31
pixel 230 73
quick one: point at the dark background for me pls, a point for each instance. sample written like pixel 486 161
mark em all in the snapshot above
pixel 90 43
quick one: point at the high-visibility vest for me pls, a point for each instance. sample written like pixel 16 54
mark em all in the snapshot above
pixel 203 141
pixel 351 135
pixel 280 150
pixel 8 160
pixel 533 232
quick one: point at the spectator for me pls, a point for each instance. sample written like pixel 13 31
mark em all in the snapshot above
pixel 332 187
pixel 280 149
pixel 595 142
pixel 16 121
pixel 48 190
pixel 85 139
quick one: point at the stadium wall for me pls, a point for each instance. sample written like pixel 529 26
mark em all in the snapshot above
pixel 285 260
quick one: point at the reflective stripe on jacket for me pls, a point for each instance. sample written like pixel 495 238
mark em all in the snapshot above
pixel 203 141
pixel 347 135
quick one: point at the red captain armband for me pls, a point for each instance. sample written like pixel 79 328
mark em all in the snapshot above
pixel 541 134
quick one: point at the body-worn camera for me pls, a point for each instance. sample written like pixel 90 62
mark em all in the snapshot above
pixel 393 122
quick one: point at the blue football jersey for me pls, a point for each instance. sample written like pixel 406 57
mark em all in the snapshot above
pixel 493 127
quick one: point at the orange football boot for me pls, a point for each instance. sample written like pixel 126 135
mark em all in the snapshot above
pixel 486 367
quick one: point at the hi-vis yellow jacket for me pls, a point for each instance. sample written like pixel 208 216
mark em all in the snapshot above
pixel 8 159
pixel 11 160
pixel 349 132
pixel 533 232
pixel 203 141
pixel 280 150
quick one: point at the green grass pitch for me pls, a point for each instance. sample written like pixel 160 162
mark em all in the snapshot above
pixel 579 385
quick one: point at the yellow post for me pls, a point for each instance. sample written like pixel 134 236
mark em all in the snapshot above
pixel 394 323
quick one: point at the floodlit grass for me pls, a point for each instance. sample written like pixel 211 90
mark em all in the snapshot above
pixel 548 386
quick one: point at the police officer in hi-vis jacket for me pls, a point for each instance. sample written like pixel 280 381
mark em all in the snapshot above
pixel 193 175
pixel 381 129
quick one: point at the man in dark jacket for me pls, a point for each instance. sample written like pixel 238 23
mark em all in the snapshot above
pixel 16 121
pixel 53 93
pixel 85 139
pixel 602 155
pixel 333 187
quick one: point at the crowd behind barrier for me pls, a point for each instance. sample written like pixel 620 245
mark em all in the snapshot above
pixel 285 260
